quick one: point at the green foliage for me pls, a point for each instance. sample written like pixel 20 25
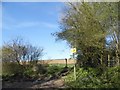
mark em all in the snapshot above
pixel 31 70
pixel 28 71
pixel 90 79
pixel 53 69
pixel 111 77
pixel 34 70
pixel 11 68
pixel 84 79
pixel 87 26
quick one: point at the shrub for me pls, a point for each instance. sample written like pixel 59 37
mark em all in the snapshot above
pixel 111 77
pixel 53 69
pixel 90 79
pixel 28 70
pixel 34 70
pixel 41 69
pixel 11 68
pixel 31 70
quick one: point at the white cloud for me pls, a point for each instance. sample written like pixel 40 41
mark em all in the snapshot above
pixel 49 25
pixel 10 23
pixel 26 24
pixel 10 26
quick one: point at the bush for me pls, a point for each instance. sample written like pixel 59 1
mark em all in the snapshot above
pixel 84 79
pixel 111 77
pixel 28 70
pixel 90 79
pixel 34 70
pixel 11 68
pixel 53 69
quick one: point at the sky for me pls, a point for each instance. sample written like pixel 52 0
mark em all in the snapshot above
pixel 34 22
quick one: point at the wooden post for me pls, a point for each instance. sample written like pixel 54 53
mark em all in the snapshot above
pixel 66 62
pixel 74 66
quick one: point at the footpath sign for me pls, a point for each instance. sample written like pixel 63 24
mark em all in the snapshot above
pixel 73 50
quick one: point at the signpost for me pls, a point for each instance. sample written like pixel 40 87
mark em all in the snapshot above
pixel 73 51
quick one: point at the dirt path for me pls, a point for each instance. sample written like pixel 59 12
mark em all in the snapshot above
pixel 56 83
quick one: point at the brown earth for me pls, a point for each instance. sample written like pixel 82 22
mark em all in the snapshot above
pixel 57 83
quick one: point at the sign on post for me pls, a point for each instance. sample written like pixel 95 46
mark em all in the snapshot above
pixel 73 50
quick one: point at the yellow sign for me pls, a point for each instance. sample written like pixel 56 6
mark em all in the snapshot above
pixel 73 50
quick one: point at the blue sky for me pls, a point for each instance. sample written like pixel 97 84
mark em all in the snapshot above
pixel 35 21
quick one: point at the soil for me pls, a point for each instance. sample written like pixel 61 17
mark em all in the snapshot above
pixel 57 83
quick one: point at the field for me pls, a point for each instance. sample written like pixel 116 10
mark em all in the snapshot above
pixel 55 61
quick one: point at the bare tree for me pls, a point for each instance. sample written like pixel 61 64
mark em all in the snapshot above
pixel 17 50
